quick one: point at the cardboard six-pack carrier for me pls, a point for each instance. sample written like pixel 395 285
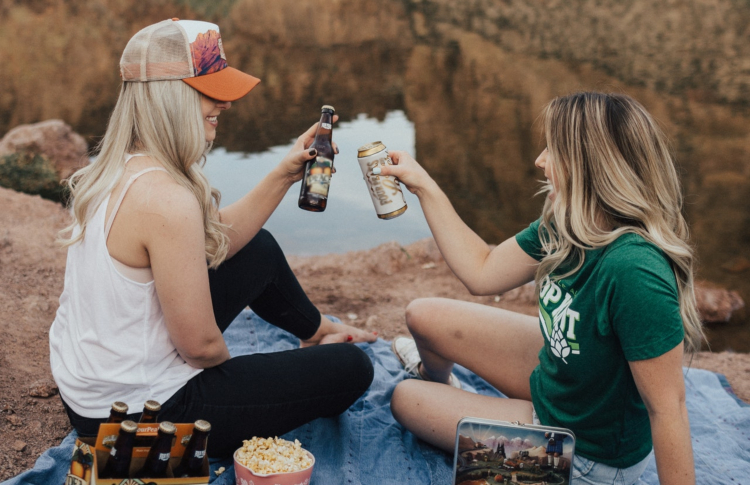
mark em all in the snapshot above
pixel 90 455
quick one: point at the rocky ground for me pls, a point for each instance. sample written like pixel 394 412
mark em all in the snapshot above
pixel 367 288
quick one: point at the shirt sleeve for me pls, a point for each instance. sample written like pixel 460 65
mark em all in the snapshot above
pixel 529 241
pixel 639 289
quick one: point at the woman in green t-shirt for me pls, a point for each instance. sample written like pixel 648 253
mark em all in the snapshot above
pixel 610 258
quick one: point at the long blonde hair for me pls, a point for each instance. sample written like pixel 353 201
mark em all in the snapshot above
pixel 161 119
pixel 614 175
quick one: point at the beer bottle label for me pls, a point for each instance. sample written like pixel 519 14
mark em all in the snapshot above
pixel 200 454
pixel 327 126
pixel 113 452
pixel 163 456
pixel 319 176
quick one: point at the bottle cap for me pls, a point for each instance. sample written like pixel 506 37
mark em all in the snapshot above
pixel 327 106
pixel 167 427
pixel 128 426
pixel 203 426
pixel 120 407
pixel 152 406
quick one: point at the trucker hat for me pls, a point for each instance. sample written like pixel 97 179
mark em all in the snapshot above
pixel 189 50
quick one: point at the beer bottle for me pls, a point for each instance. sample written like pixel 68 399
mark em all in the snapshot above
pixel 118 463
pixel 118 413
pixel 150 411
pixel 157 461
pixel 313 195
pixel 191 464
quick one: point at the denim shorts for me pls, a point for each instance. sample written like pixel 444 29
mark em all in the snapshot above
pixel 589 472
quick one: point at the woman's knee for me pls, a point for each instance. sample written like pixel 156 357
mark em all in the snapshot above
pixel 420 314
pixel 356 367
pixel 262 243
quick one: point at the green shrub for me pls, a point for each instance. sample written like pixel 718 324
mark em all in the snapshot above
pixel 32 173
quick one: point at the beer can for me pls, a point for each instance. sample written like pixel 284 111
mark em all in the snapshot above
pixel 385 190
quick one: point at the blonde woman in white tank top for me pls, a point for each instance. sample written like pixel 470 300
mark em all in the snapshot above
pixel 156 272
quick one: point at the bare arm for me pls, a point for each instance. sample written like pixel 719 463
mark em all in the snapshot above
pixel 174 239
pixel 247 216
pixel 662 388
pixel 481 270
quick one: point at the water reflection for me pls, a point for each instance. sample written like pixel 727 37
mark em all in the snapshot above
pixel 465 103
pixel 349 222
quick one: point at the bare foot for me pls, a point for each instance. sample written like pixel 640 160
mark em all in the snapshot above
pixel 331 333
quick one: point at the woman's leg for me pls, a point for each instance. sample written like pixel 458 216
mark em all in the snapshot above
pixel 498 345
pixel 431 410
pixel 271 394
pixel 259 276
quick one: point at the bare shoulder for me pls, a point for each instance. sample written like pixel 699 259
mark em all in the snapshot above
pixel 159 199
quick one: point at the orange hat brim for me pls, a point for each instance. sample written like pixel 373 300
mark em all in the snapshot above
pixel 229 84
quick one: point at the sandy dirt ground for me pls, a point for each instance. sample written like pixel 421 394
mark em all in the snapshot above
pixel 369 289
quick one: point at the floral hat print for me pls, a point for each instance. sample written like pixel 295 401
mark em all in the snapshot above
pixel 189 50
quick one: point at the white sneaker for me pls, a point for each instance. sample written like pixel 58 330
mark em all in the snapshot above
pixel 406 350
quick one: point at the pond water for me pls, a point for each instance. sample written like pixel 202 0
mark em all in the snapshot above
pixel 349 222
pixel 434 78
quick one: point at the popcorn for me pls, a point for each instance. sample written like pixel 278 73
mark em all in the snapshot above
pixel 273 455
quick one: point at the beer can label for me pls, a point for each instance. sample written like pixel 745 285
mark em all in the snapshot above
pixel 319 176
pixel 385 190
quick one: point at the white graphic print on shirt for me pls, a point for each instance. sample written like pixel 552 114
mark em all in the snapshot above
pixel 559 325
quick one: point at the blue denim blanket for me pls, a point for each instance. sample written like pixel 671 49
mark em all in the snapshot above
pixel 365 445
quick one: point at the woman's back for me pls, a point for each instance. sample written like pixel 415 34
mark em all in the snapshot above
pixel 110 327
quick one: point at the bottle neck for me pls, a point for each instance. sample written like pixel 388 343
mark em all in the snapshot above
pixel 197 441
pixel 325 127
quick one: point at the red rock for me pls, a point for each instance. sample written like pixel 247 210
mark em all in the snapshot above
pixel 52 138
pixel 43 388
pixel 14 420
pixel 19 445
pixel 716 304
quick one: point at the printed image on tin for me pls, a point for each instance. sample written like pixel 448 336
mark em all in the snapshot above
pixel 319 176
pixel 494 455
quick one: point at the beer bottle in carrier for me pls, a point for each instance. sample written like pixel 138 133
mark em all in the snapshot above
pixel 118 463
pixel 313 195
pixel 118 413
pixel 157 461
pixel 150 411
pixel 191 464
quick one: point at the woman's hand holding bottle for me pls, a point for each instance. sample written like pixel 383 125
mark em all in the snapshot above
pixel 293 164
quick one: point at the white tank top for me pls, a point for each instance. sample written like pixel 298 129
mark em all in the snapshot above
pixel 109 341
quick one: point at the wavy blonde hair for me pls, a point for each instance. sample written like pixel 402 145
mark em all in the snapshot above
pixel 161 119
pixel 614 175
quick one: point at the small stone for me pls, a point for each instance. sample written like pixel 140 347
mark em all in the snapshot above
pixel 43 388
pixel 14 420
pixel 429 265
pixel 351 316
pixel 19 445
pixel 497 298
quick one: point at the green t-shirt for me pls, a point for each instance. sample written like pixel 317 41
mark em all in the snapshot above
pixel 621 305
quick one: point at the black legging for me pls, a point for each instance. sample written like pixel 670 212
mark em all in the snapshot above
pixel 263 394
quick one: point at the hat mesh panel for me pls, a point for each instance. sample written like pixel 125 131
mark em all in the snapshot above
pixel 164 50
